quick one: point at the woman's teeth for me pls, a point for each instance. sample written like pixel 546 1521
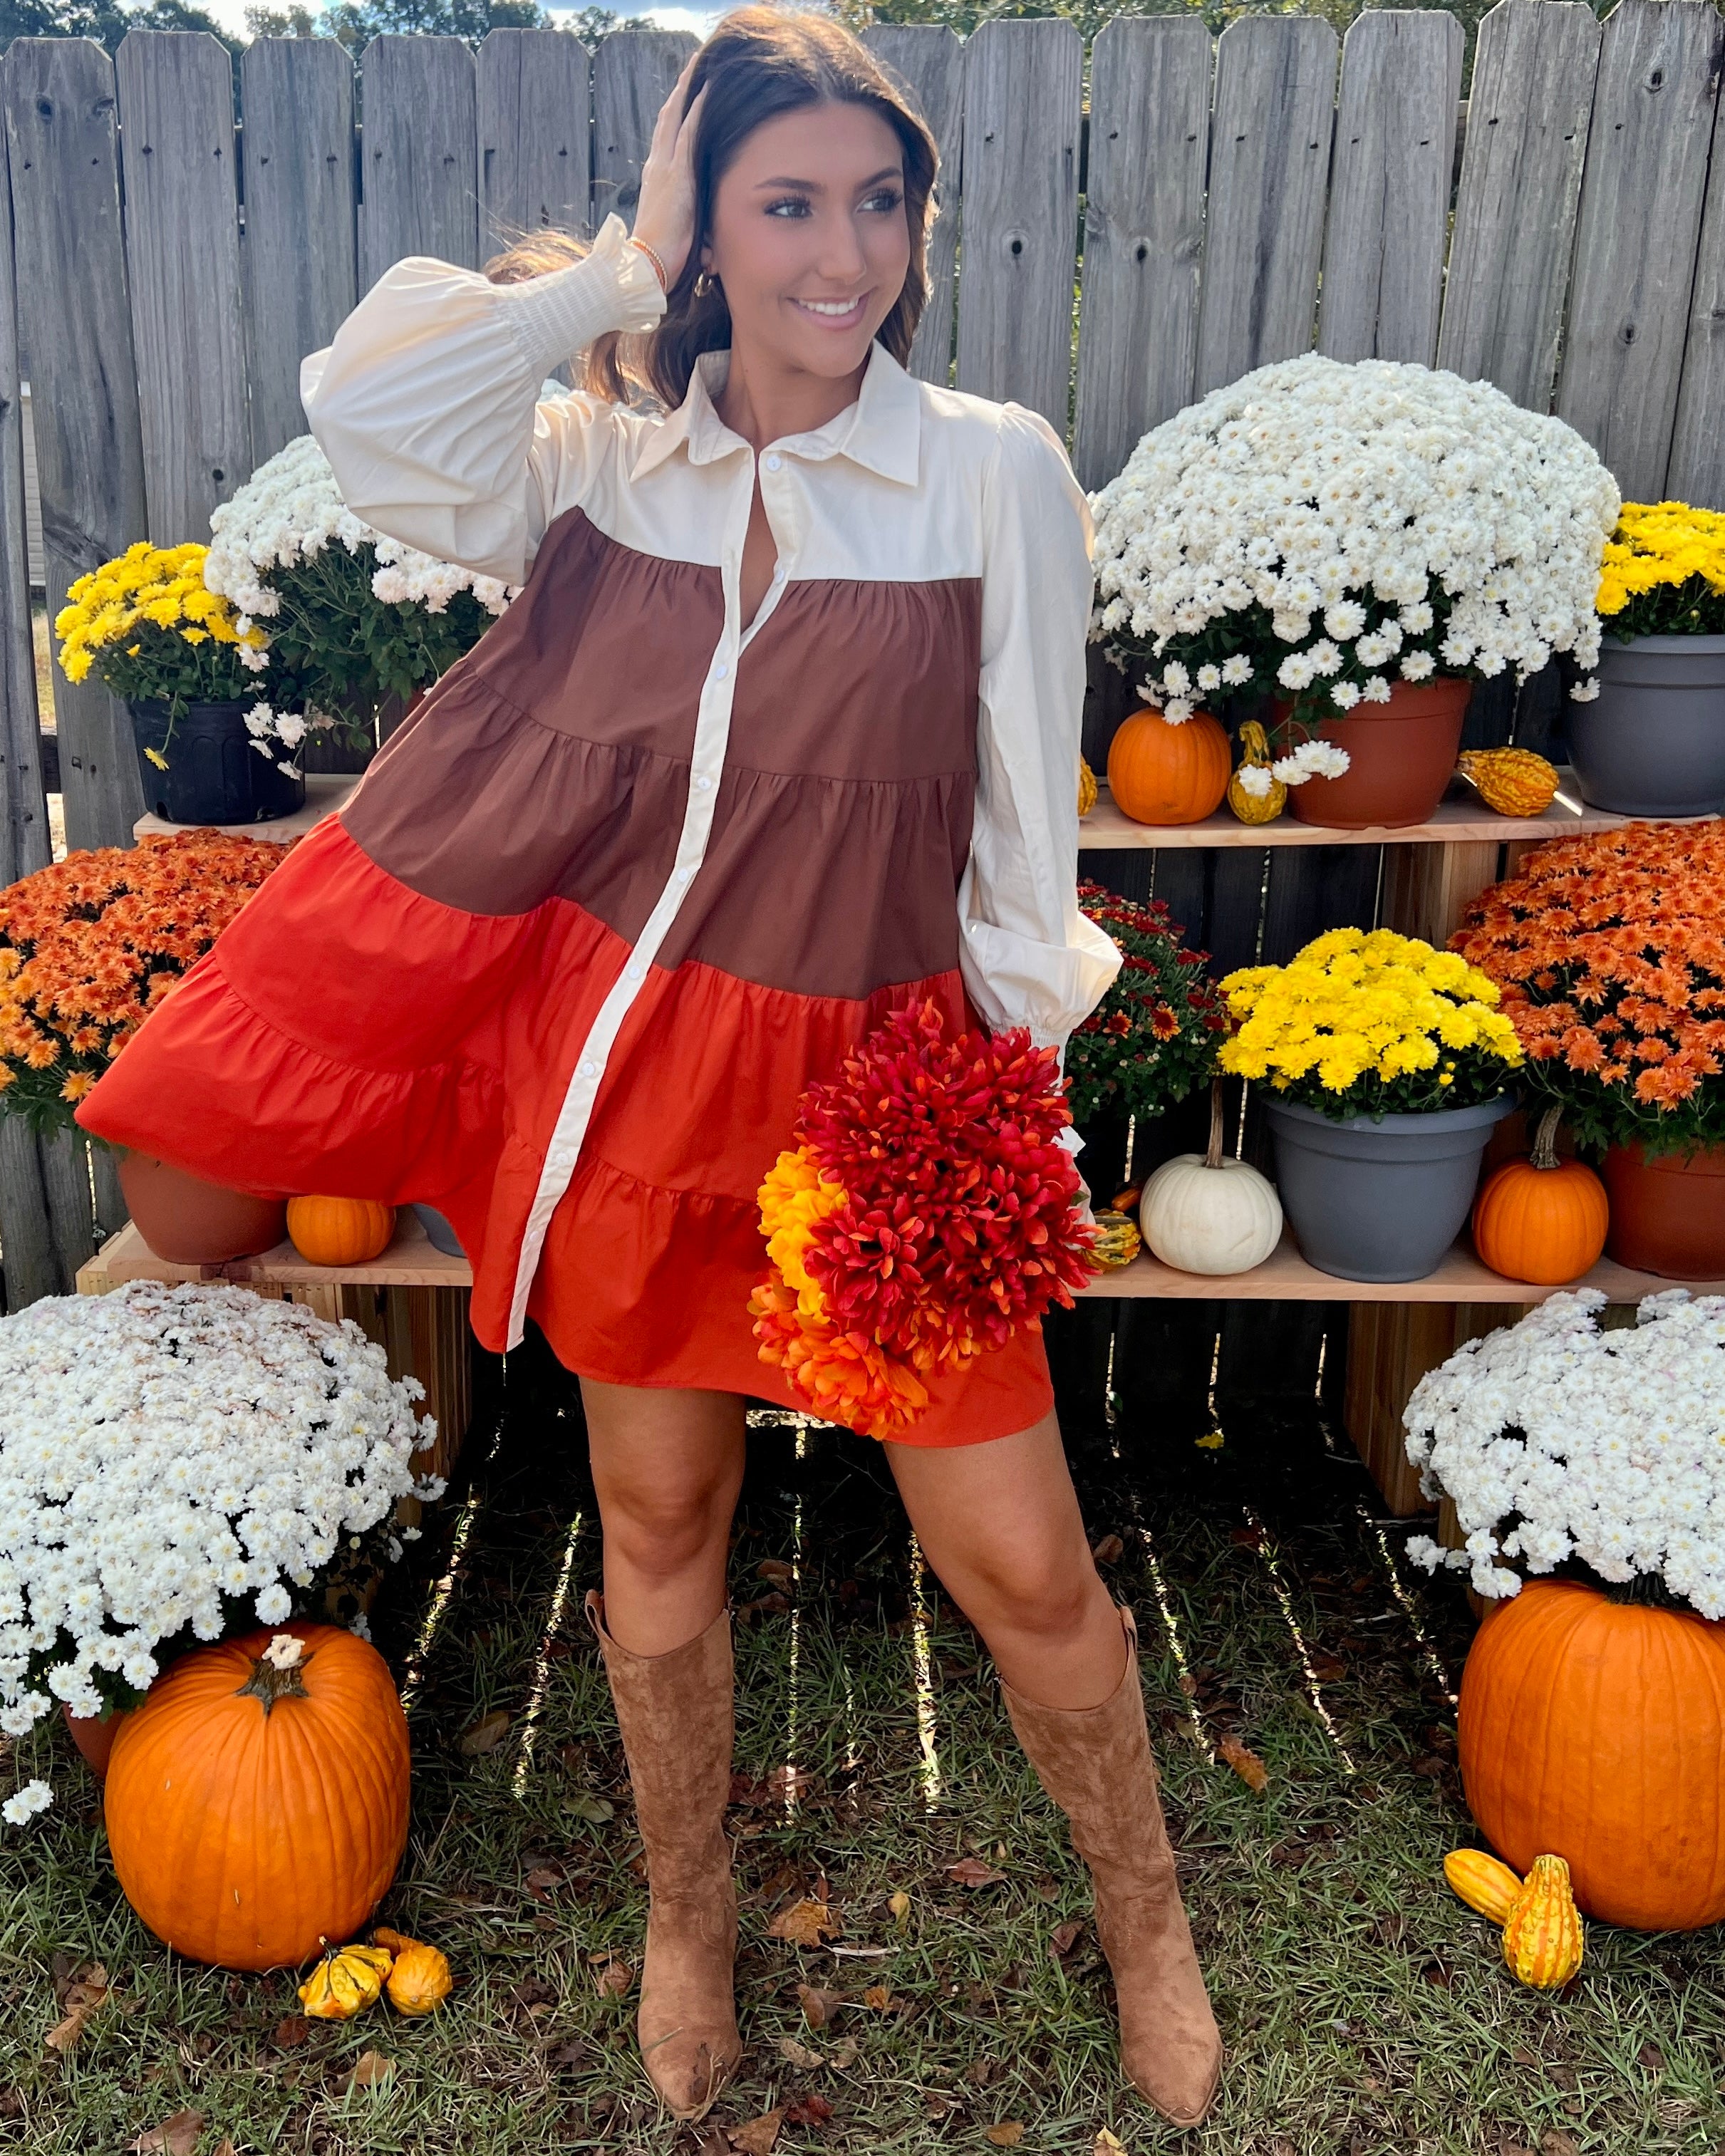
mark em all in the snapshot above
pixel 830 307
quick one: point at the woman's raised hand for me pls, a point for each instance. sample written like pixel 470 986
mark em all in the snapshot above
pixel 665 215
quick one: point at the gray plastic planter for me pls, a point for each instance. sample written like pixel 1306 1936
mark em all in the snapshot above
pixel 1652 742
pixel 1379 1201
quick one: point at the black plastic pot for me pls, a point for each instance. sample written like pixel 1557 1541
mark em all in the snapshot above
pixel 213 775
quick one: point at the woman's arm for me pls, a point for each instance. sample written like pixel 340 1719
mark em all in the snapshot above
pixel 1029 957
pixel 427 402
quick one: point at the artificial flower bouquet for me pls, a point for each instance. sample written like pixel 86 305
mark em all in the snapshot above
pixel 1364 1022
pixel 153 632
pixel 1152 1038
pixel 89 946
pixel 1609 953
pixel 353 617
pixel 1563 1445
pixel 925 1213
pixel 179 1463
pixel 1319 532
pixel 1663 572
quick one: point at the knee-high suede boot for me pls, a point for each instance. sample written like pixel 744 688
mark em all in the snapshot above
pixel 675 1712
pixel 1095 1763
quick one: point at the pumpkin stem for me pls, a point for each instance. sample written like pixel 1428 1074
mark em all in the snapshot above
pixel 1212 1155
pixel 278 1673
pixel 1545 1139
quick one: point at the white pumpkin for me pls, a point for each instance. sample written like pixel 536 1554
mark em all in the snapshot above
pixel 1208 1212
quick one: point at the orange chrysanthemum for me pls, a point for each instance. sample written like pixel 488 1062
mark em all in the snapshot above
pixel 923 1215
pixel 90 945
pixel 1609 951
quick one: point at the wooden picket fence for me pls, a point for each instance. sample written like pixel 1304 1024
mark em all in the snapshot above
pixel 1217 205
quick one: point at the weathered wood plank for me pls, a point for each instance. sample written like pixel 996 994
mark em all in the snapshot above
pixel 176 146
pixel 1390 188
pixel 24 841
pixel 1022 85
pixel 46 1231
pixel 1269 161
pixel 634 72
pixel 1143 236
pixel 535 106
pixel 301 248
pixel 929 59
pixel 419 136
pixel 1515 210
pixel 62 139
pixel 1641 200
pixel 1696 470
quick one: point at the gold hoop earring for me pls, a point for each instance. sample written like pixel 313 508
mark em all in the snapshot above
pixel 705 283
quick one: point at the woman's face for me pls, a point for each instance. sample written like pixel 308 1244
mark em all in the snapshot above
pixel 810 237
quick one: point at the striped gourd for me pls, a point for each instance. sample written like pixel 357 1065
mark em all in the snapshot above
pixel 1541 1933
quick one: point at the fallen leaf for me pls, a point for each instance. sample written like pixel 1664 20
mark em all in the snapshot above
pixel 756 2136
pixel 290 2032
pixel 613 1977
pixel 817 2006
pixel 1213 1443
pixel 971 1872
pixel 843 2053
pixel 1007 2134
pixel 81 1996
pixel 65 2034
pixel 541 1882
pixel 806 1923
pixel 1244 1762
pixel 175 2137
pixel 798 2055
pixel 224 2146
pixel 900 1905
pixel 1328 1669
pixel 808 2111
pixel 1652 2058
pixel 485 1734
pixel 776 1570
pixel 595 1810
pixel 1556 2142
pixel 370 2070
pixel 1109 1551
pixel 1107 2144
pixel 879 1997
pixel 1064 1937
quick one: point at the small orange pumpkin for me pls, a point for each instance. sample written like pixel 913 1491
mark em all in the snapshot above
pixel 340 1231
pixel 1162 774
pixel 1543 1219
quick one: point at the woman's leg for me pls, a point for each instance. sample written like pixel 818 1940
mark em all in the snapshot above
pixel 1000 1525
pixel 667 1467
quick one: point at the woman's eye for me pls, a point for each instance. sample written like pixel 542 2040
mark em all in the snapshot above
pixel 794 205
pixel 887 200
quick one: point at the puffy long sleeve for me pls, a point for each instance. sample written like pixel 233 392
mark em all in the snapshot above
pixel 427 402
pixel 1028 956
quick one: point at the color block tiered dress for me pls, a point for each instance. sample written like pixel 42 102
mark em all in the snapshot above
pixel 633 873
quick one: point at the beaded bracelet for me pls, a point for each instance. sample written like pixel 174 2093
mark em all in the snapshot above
pixel 657 266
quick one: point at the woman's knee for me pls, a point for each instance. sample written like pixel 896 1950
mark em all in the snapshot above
pixel 1049 1592
pixel 659 1529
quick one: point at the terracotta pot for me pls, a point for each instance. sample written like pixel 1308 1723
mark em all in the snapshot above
pixel 1401 756
pixel 94 1736
pixel 190 1222
pixel 1667 1216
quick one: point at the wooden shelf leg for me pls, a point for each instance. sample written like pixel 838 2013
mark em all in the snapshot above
pixel 1390 1347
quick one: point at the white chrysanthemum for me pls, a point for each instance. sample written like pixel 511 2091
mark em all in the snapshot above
pixel 1557 1440
pixel 163 1449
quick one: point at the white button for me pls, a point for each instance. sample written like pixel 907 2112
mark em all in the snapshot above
pixel 721 671
pixel 589 1070
pixel 778 572
pixel 702 783
pixel 634 973
pixel 684 874
pixel 774 461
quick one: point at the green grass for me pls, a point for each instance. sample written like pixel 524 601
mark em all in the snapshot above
pixel 1364 2008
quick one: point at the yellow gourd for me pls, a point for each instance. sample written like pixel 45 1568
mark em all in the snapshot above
pixel 345 1982
pixel 1512 780
pixel 1086 787
pixel 1255 754
pixel 1541 1933
pixel 1483 1883
pixel 1118 1242
pixel 420 1981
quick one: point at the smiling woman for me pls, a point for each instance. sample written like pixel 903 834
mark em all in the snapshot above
pixel 779 740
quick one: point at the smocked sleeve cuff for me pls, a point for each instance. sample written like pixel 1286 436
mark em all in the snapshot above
pixel 612 287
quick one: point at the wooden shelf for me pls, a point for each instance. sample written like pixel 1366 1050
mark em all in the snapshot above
pixel 325 791
pixel 1285 1277
pixel 1456 822
pixel 411 1261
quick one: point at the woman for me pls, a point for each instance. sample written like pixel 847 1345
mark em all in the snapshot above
pixel 782 731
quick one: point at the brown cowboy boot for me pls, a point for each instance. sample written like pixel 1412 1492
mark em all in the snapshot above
pixel 675 1712
pixel 1096 1764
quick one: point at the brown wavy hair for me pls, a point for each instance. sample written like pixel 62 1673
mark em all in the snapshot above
pixel 759 61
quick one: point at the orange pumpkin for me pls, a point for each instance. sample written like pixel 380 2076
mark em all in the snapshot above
pixel 1160 773
pixel 1543 1219
pixel 256 1801
pixel 1597 1729
pixel 340 1231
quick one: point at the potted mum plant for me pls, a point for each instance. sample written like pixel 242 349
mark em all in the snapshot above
pixel 178 1464
pixel 1354 544
pixel 89 947
pixel 358 623
pixel 188 670
pixel 1588 1480
pixel 1387 1065
pixel 1609 954
pixel 1652 742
